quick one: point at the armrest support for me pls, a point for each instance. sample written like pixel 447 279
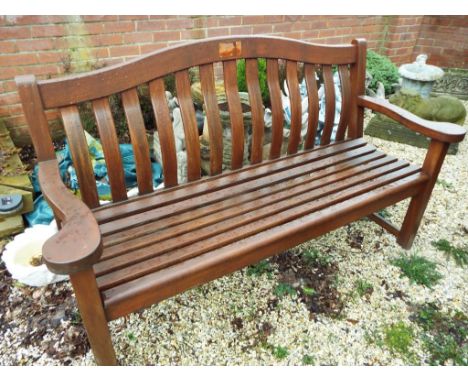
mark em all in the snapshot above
pixel 440 131
pixel 78 245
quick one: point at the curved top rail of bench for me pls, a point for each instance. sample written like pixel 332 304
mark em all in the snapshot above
pixel 114 79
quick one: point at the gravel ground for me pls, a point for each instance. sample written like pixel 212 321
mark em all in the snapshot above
pixel 241 319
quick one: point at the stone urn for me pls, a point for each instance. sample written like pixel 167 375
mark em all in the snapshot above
pixel 420 76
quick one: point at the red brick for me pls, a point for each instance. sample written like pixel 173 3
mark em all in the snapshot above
pixel 48 57
pixel 133 17
pixel 9 86
pixel 148 48
pixel 151 25
pixel 212 21
pixel 192 34
pixel 273 19
pixel 229 21
pixel 262 29
pixel 43 70
pixel 14 32
pixel 8 47
pixel 48 30
pixel 240 30
pixel 326 33
pixel 35 44
pixel 121 51
pixel 18 59
pixel 10 72
pixel 166 36
pixel 249 20
pixel 179 23
pixel 216 32
pixel 311 34
pixel 99 18
pixel 137 37
pixel 85 28
pixel 119 26
pixel 106 39
pixel 9 98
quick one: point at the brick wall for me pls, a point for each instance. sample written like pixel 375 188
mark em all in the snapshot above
pixel 51 46
pixel 445 40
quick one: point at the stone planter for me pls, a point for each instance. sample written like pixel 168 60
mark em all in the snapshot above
pixel 419 76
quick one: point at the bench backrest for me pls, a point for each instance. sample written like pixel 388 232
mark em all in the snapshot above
pixel 67 93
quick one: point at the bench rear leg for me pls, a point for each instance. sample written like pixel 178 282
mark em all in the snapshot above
pixel 94 319
pixel 431 166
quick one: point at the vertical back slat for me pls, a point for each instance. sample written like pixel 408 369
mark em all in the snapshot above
pixel 165 131
pixel 212 115
pixel 295 106
pixel 256 106
pixel 80 155
pixel 235 113
pixel 187 110
pixel 110 146
pixel 358 78
pixel 276 108
pixel 313 107
pixel 345 97
pixel 329 104
pixel 136 127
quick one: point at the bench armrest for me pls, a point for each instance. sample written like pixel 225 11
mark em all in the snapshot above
pixel 78 245
pixel 440 131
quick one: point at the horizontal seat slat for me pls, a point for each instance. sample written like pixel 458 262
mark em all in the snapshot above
pixel 284 199
pixel 250 223
pixel 186 191
pixel 186 212
pixel 219 194
pixel 154 287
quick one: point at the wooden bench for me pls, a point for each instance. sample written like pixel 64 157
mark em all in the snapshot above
pixel 137 251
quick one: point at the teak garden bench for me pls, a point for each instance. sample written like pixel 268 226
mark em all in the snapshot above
pixel 134 252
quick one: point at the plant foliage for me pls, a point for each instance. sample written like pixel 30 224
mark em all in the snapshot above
pixel 381 69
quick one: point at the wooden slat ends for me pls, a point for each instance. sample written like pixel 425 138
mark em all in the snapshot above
pixel 110 146
pixel 80 155
pixel 276 108
pixel 329 104
pixel 256 106
pixel 165 131
pixel 212 115
pixel 235 113
pixel 295 107
pixel 187 110
pixel 313 110
pixel 136 127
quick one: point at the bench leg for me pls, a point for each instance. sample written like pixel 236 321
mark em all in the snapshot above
pixel 94 318
pixel 431 166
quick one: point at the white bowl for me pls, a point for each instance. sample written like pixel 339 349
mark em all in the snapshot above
pixel 19 256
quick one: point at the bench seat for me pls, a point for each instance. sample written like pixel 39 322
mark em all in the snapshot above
pixel 161 244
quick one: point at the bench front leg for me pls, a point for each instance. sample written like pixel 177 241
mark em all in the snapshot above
pixel 431 166
pixel 93 316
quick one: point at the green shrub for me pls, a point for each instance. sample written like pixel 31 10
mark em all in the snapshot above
pixel 364 287
pixel 260 268
pixel 383 70
pixel 308 360
pixel 418 269
pixel 460 255
pixel 280 352
pixel 398 338
pixel 262 78
pixel 444 335
pixel 283 289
